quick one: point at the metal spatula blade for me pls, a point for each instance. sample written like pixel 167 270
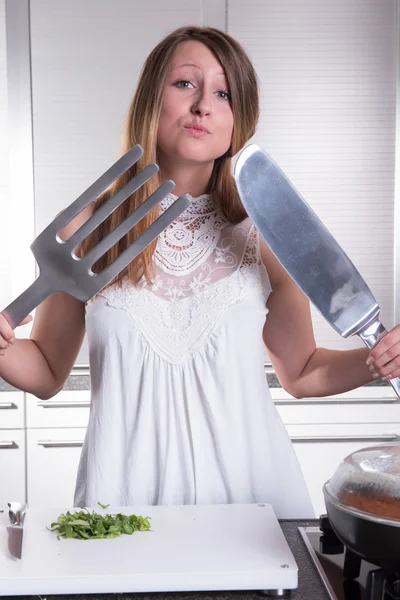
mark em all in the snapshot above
pixel 62 271
pixel 306 249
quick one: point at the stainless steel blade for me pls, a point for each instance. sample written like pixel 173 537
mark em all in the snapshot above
pixel 15 537
pixel 302 243
pixel 16 515
pixel 306 249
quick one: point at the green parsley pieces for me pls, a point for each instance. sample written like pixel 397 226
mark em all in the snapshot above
pixel 85 525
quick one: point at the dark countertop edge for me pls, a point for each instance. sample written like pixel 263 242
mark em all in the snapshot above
pixel 310 586
pixel 81 381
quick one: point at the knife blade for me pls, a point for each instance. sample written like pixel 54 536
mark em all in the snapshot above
pixel 15 530
pixel 306 249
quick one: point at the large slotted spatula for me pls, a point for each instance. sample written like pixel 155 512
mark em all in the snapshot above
pixel 307 250
pixel 62 271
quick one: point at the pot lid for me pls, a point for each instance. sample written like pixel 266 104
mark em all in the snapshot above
pixel 369 480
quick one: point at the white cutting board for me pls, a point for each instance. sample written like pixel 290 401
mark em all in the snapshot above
pixel 201 547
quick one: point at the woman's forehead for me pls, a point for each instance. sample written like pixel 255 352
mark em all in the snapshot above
pixel 195 54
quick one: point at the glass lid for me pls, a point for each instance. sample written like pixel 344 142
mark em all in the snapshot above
pixel 369 480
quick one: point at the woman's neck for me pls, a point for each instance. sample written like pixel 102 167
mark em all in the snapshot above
pixel 189 178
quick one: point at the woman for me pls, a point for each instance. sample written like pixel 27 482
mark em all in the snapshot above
pixel 181 411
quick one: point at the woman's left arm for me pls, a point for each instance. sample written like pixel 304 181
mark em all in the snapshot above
pixel 302 368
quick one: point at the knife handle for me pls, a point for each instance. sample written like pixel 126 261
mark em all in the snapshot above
pixel 16 513
pixel 370 335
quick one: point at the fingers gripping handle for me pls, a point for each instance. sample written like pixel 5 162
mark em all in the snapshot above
pixel 370 335
pixel 26 302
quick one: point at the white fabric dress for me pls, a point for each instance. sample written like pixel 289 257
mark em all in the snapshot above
pixel 181 411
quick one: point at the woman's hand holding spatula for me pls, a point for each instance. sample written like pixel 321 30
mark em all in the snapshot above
pixel 7 335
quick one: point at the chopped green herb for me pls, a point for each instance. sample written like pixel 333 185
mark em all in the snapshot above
pixel 86 525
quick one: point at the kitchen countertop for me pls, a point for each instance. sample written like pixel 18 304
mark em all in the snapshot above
pixel 310 585
pixel 82 382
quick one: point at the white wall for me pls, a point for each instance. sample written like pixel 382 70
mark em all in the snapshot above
pixel 86 58
pixel 328 116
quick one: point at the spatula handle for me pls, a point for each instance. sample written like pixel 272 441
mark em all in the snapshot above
pixel 370 335
pixel 26 302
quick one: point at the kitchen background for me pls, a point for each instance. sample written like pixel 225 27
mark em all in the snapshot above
pixel 328 76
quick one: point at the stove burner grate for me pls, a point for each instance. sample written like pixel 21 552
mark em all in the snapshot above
pixel 361 580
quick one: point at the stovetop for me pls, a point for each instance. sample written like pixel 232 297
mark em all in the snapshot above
pixel 345 576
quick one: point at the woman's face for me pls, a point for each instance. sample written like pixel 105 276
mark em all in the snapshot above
pixel 196 120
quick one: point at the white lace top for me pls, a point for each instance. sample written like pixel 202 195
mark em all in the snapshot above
pixel 181 411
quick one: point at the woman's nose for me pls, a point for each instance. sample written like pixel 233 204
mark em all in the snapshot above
pixel 201 107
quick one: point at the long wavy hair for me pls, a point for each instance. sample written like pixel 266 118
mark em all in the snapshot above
pixel 141 128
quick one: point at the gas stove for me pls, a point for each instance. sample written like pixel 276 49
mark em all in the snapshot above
pixel 345 575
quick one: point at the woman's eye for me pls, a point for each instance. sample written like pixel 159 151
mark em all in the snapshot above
pixel 183 83
pixel 224 95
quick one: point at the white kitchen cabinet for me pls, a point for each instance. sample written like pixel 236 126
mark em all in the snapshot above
pixel 12 466
pixel 323 431
pixel 52 463
pixel 66 409
pixel 12 447
pixel 12 410
pixel 55 433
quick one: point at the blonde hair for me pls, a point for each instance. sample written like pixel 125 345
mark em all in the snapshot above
pixel 141 128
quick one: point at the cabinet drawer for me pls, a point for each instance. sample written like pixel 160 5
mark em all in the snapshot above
pixel 342 432
pixel 364 405
pixel 53 457
pixel 66 409
pixel 354 414
pixel 12 466
pixel 12 410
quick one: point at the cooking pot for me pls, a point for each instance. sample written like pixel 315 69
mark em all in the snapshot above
pixel 363 504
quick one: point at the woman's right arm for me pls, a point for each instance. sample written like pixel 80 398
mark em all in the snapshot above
pixel 40 365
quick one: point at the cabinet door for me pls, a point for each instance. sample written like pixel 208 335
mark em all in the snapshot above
pixel 53 457
pixel 12 466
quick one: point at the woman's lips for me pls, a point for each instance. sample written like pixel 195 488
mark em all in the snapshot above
pixel 196 132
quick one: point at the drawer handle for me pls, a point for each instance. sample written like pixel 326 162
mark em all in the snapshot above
pixel 8 445
pixel 66 404
pixel 343 402
pixel 384 437
pixel 60 443
pixel 7 405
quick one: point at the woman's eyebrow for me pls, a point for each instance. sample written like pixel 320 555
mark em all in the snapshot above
pixel 185 65
pixel 193 65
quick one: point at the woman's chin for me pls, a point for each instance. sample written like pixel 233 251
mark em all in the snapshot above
pixel 198 152
pixel 192 150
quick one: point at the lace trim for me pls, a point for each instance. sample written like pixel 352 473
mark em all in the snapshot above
pixel 178 329
pixel 251 254
pixel 177 315
pixel 191 238
pixel 204 199
pixel 238 247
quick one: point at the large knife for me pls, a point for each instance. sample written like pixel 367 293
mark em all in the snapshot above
pixel 16 513
pixel 306 249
